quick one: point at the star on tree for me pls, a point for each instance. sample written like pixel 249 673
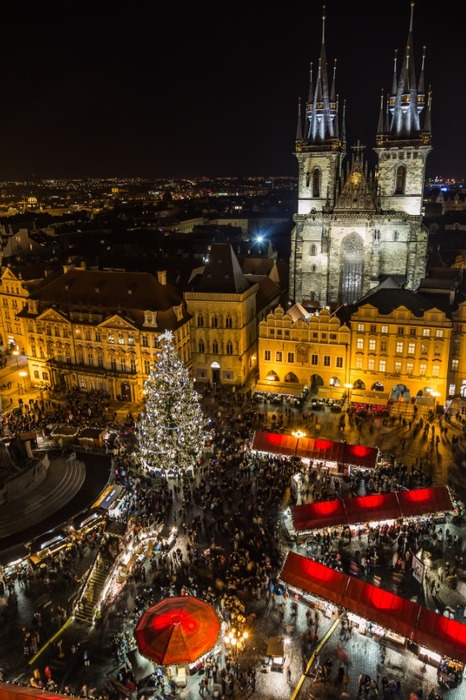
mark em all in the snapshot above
pixel 172 428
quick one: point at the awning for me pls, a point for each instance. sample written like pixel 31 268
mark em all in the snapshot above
pixel 378 506
pixel 373 398
pixel 424 501
pixel 441 634
pixel 312 577
pixel 411 620
pixel 363 509
pixel 360 455
pixel 277 388
pixel 381 607
pixel 317 515
pixel 310 448
pixel 276 443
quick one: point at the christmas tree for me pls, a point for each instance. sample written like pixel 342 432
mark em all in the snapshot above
pixel 171 429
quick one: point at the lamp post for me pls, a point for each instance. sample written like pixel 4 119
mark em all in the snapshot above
pixel 23 376
pixel 235 640
pixel 348 387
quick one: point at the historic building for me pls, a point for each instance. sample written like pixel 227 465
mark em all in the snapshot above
pixel 224 305
pixel 299 351
pixel 393 346
pixel 353 226
pixel 98 330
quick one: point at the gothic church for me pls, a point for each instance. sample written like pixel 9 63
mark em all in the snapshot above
pixel 354 228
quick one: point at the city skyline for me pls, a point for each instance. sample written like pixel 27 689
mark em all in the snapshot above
pixel 92 92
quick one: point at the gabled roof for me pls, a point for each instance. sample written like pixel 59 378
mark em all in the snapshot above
pixel 387 300
pixel 222 273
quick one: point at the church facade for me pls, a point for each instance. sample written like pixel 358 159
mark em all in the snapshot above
pixel 353 227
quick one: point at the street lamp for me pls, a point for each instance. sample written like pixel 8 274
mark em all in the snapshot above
pixel 23 376
pixel 298 434
pixel 235 640
pixel 349 387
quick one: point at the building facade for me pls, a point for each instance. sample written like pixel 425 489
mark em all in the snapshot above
pixel 352 226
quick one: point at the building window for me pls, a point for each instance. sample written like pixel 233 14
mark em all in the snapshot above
pixel 412 331
pixel 90 359
pixel 200 320
pixel 215 347
pixel 410 368
pixel 229 348
pixel 267 355
pixel 314 359
pixel 131 340
pixel 360 327
pixel 360 344
pixel 100 360
pixel 455 364
pixel 313 249
pixel 372 345
pixel 111 338
pixel 201 346
pixel 426 332
pixel 422 369
pixel 132 364
pixel 382 365
pixel 398 367
pixel 437 350
pixel 145 341
pixel 121 339
pixel 439 333
pixel 291 358
pixel 228 322
pixel 113 364
pixel 326 360
pixel 400 181
pixel 316 182
pixel 214 321
pixel 373 328
pixel 122 365
pixel 384 329
pixel 339 362
pixel 278 356
pixel 400 348
pixel 424 349
pixel 400 330
pixel 146 366
pixel 359 363
pixel 383 346
pixel 435 370
pixel 411 348
pixel 371 364
pixel 98 337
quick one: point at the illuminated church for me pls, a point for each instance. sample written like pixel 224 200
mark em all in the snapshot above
pixel 355 228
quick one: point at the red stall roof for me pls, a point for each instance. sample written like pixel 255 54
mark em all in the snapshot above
pixel 412 621
pixel 441 634
pixel 378 506
pixel 277 443
pixel 315 448
pixel 423 501
pixel 381 607
pixel 317 515
pixel 308 575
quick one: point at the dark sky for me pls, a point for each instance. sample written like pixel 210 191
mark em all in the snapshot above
pixel 156 89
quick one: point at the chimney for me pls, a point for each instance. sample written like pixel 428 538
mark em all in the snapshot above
pixel 162 277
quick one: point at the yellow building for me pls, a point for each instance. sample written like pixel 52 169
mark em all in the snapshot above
pixel 400 346
pixel 299 350
pixel 98 330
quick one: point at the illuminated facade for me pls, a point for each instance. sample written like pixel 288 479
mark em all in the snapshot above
pixel 352 226
pixel 98 330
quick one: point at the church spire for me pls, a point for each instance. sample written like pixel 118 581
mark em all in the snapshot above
pixel 406 101
pixel 321 110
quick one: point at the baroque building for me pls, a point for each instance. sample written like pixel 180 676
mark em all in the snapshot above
pixel 353 226
pixel 96 330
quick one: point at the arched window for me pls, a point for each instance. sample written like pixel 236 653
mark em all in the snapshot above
pixel 313 249
pixel 400 182
pixel 215 347
pixel 201 346
pixel 313 268
pixel 229 348
pixel 308 179
pixel 214 322
pixel 228 322
pixel 316 183
pixel 200 320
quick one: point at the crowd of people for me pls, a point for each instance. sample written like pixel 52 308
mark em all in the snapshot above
pixel 230 546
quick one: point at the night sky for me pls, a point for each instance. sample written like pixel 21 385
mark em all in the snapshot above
pixel 155 89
